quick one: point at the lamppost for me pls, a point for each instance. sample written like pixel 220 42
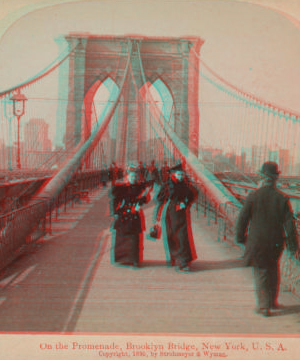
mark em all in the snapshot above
pixel 19 109
pixel 8 113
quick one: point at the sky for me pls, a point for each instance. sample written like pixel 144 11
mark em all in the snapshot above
pixel 252 46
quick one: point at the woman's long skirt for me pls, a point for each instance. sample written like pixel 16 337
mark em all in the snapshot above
pixel 128 248
pixel 179 236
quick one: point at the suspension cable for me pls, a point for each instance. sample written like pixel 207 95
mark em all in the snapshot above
pixel 49 69
pixel 216 190
pixel 56 184
pixel 211 81
pixel 246 95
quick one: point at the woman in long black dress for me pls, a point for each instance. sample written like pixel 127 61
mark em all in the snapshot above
pixel 178 195
pixel 127 198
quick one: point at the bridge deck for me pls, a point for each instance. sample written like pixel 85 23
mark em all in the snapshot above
pixel 67 283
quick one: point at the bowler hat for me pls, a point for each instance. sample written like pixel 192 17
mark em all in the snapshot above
pixel 270 169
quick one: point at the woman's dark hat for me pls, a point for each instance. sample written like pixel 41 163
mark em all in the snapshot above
pixel 178 167
pixel 269 169
pixel 132 168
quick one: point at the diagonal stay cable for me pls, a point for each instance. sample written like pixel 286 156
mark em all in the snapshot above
pixel 215 190
pixel 57 184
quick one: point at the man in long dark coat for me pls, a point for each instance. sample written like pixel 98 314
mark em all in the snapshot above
pixel 104 175
pixel 268 215
pixel 165 171
pixel 126 199
pixel 153 173
pixel 113 173
pixel 142 172
pixel 178 194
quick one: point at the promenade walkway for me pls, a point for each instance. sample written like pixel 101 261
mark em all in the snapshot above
pixel 66 283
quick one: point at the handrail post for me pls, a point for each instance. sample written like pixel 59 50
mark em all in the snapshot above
pixel 44 223
pixel 197 205
pixel 50 227
pixel 57 206
pixel 205 205
pixel 208 213
pixel 225 230
pixel 65 196
pixel 216 214
pixel 221 221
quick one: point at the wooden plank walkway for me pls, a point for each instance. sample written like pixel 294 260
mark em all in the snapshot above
pixel 67 283
pixel 216 297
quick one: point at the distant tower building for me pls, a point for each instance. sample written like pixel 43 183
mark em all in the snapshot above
pixel 37 142
pixel 238 162
pixel 284 161
pixel 216 152
pixel 207 154
pixel 246 159
pixel 255 159
pixel 259 155
pixel 297 169
pixel 274 156
pixel 3 164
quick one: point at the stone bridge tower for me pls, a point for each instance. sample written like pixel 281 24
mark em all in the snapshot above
pixel 173 60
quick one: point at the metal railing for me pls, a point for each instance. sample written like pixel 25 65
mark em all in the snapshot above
pixel 11 243
pixel 225 220
pixel 10 240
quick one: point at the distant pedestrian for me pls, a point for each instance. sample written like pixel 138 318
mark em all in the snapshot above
pixel 264 225
pixel 104 175
pixel 142 172
pixel 153 173
pixel 165 172
pixel 120 173
pixel 113 173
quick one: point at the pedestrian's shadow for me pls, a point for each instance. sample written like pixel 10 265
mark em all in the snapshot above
pixel 154 263
pixel 286 310
pixel 217 265
pixel 199 265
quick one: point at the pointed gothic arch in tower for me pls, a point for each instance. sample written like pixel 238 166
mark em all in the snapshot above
pixel 174 61
pixel 164 99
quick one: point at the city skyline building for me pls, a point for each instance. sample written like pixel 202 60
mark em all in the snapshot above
pixel 284 161
pixel 250 160
pixel 37 144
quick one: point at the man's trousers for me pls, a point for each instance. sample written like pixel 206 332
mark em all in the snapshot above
pixel 266 282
